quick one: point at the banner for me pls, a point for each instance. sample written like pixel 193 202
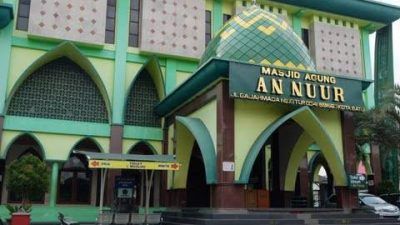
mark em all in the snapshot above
pixel 132 165
pixel 270 84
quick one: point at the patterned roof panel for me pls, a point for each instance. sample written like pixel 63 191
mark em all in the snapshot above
pixel 259 37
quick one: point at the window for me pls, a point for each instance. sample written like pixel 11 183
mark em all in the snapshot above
pixel 60 90
pixel 110 22
pixel 142 99
pixel 305 38
pixel 23 14
pixel 226 18
pixel 134 23
pixel 208 26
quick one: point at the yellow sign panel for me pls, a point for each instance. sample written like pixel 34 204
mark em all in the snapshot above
pixel 132 165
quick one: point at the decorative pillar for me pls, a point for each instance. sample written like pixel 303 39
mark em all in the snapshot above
pixel 217 17
pixel 115 147
pixel 5 58
pixel 54 183
pixel 296 22
pixel 118 101
pixel 226 194
pixel 348 198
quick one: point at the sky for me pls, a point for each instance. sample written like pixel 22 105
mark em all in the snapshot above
pixel 396 42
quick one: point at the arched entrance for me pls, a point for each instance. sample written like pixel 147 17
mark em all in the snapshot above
pixel 267 175
pixel 292 134
pixel 321 181
pixel 197 190
pixel 77 183
pixel 143 148
pixel 23 145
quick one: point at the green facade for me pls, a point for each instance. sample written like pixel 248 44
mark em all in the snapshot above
pixel 111 70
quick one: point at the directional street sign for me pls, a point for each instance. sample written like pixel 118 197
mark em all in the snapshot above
pixel 132 165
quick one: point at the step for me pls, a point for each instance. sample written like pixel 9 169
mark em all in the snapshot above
pixel 189 220
pixel 344 215
pixel 357 220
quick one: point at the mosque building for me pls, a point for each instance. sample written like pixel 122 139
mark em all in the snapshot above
pixel 252 99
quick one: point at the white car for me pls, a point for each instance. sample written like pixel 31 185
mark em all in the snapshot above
pixel 378 205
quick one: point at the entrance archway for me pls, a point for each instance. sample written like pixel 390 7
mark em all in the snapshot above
pixel 25 144
pixel 77 183
pixel 143 148
pixel 321 181
pixel 197 190
pixel 312 130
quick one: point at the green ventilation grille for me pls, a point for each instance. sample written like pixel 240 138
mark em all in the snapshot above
pixel 59 90
pixel 142 99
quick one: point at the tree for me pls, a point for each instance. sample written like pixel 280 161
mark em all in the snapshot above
pixel 28 177
pixel 381 125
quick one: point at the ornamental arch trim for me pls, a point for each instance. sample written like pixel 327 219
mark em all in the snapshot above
pixel 144 93
pixel 41 150
pixel 313 127
pixel 68 52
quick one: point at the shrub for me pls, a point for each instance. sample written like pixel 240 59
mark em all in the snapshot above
pixel 27 177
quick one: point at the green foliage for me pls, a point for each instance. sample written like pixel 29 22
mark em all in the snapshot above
pixel 27 208
pixel 27 177
pixel 386 187
pixel 381 125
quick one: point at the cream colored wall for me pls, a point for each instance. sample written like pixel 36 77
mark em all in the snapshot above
pixel 332 122
pixel 208 115
pixel 131 72
pixel 184 145
pixel 128 144
pixel 251 118
pixel 181 77
pixel 54 150
pixel 22 58
pixel 105 69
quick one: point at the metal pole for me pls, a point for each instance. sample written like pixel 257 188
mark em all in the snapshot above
pixel 102 184
pixel 148 189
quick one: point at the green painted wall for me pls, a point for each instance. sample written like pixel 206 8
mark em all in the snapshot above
pixel 121 40
pixel 5 53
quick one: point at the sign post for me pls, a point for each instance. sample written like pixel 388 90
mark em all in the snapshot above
pixel 357 181
pixel 104 165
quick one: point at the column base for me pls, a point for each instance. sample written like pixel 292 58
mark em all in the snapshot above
pixel 228 196
pixel 347 198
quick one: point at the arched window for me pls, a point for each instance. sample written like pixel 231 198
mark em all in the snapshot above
pixel 59 90
pixel 142 99
pixel 76 180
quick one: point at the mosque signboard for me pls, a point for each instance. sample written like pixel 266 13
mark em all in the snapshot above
pixel 279 85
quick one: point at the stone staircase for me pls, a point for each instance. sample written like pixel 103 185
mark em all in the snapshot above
pixel 271 217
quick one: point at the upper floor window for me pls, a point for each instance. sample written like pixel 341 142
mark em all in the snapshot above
pixel 24 7
pixel 305 37
pixel 110 22
pixel 134 23
pixel 208 26
pixel 226 18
